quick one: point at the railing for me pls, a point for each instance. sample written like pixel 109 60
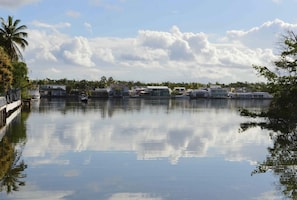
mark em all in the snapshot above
pixel 8 104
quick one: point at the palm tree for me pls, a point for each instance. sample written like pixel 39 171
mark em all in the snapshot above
pixel 12 36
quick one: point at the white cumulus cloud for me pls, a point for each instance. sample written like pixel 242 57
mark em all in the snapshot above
pixel 78 51
pixel 176 55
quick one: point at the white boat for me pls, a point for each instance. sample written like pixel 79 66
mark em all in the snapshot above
pixel 180 93
pixel 34 94
pixel 84 98
pixel 138 92
pixel 249 95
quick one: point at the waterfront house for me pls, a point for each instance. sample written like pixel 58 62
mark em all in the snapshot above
pixel 52 90
pixel 157 92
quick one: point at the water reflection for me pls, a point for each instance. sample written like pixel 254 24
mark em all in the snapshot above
pixel 153 128
pixel 12 175
pixel 282 161
pixel 108 108
pixel 142 149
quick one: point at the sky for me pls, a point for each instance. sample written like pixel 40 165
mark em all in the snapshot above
pixel 203 41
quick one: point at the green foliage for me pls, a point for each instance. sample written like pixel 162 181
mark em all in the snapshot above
pixel 12 175
pixel 12 36
pixel 20 77
pixel 281 118
pixel 5 71
pixel 282 76
pixel 282 81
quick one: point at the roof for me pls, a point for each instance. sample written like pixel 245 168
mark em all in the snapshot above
pixel 157 87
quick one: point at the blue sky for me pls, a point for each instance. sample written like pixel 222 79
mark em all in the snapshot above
pixel 152 41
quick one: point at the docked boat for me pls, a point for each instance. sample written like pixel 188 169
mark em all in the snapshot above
pixel 34 94
pixel 84 98
pixel 249 95
pixel 138 92
pixel 180 93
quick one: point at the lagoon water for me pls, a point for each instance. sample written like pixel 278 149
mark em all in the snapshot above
pixel 137 149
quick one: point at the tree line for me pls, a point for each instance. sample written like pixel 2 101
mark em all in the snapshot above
pixel 105 82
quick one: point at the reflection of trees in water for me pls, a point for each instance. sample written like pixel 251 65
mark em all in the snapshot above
pixel 11 147
pixel 282 160
pixel 281 120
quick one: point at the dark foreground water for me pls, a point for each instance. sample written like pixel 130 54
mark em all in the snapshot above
pixel 135 149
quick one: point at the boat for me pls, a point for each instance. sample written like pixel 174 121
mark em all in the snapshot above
pixel 34 94
pixel 84 98
pixel 249 95
pixel 138 92
pixel 180 93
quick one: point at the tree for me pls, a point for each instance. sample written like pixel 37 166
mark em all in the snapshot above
pixel 103 82
pixel 110 81
pixel 12 36
pixel 6 76
pixel 284 75
pixel 281 118
pixel 282 81
pixel 20 77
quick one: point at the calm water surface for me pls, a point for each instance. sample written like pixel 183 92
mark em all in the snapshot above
pixel 138 149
